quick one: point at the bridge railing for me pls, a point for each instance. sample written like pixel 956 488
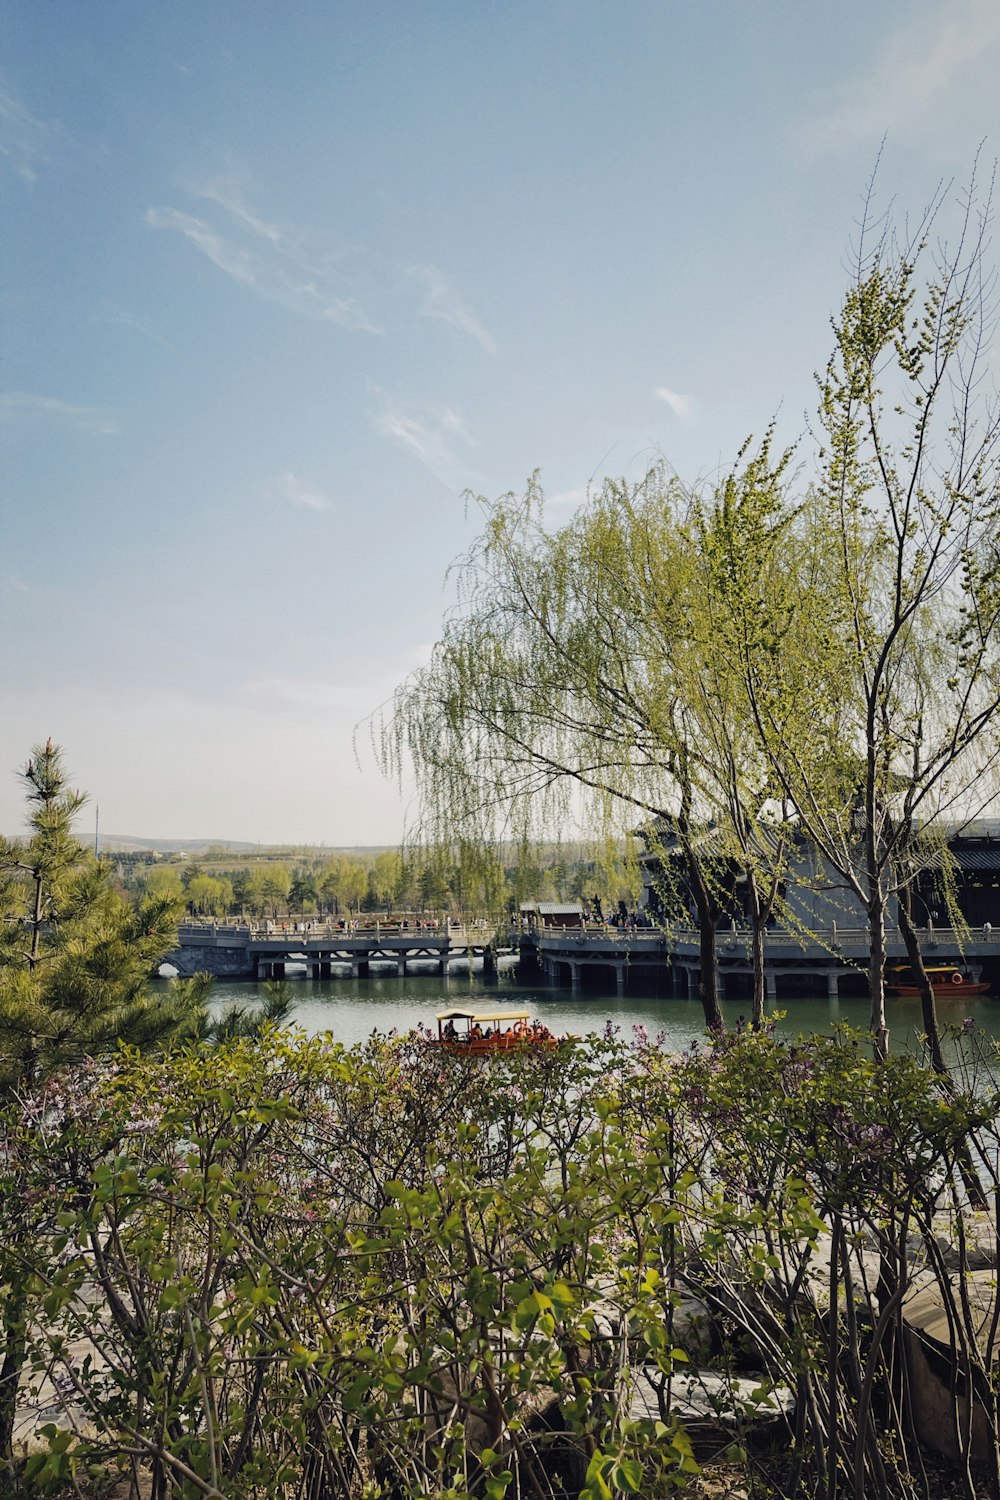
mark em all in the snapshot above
pixel 833 938
pixel 208 932
pixel 298 925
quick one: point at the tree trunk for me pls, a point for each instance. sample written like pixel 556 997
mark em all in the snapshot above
pixel 876 971
pixel 708 977
pixel 36 926
pixel 757 925
pixel 966 1165
pixel 13 1349
pixel 927 1004
pixel 708 911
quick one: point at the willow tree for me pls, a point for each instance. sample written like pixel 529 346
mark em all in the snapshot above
pixel 691 574
pixel 551 697
pixel 902 670
pixel 751 566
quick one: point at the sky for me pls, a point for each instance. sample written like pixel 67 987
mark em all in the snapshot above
pixel 280 284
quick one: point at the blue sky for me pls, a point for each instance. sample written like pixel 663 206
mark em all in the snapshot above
pixel 279 283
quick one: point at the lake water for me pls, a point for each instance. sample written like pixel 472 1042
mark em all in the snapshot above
pixel 352 1008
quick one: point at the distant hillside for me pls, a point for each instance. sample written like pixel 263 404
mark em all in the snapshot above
pixel 122 843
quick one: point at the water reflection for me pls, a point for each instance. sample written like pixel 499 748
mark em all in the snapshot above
pixel 352 1008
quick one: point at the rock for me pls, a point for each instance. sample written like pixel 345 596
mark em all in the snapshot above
pixel 694 1329
pixel 980 1240
pixel 933 1354
pixel 714 1407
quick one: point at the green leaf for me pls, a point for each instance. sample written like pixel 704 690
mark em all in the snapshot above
pixel 627 1475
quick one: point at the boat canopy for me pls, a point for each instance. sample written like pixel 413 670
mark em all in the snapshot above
pixel 489 1016
pixel 932 971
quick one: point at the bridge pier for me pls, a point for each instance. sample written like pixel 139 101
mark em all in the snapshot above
pixel 832 984
pixel 620 977
pixel 401 966
pixel 489 959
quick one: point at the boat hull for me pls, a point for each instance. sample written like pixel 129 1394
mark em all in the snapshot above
pixel 482 1047
pixel 941 991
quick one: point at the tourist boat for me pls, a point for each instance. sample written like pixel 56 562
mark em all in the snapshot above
pixel 947 982
pixel 482 1032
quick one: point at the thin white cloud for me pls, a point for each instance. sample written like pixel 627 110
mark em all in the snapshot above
pixel 23 406
pixel 684 408
pixel 302 270
pixel 23 138
pixel 908 79
pixel 428 433
pixel 228 196
pixel 278 264
pixel 441 300
pixel 301 493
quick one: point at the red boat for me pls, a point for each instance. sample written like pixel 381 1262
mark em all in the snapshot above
pixel 947 982
pixel 479 1033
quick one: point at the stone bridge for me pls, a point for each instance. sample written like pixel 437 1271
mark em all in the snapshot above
pixel 824 956
pixel 251 951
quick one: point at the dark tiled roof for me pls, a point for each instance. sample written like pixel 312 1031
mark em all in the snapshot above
pixel 976 856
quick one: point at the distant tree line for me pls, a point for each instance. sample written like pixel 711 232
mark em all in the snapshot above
pixel 389 881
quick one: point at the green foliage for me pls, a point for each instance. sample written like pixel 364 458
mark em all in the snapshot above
pixel 164 881
pixel 392 1271
pixel 343 882
pixel 75 957
pixel 209 895
pixel 75 964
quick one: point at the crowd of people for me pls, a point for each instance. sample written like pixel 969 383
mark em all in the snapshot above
pixel 621 917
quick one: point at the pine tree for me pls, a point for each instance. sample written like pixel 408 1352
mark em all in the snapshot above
pixel 75 956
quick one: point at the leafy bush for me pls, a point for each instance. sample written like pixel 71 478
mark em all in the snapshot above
pixel 285 1268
